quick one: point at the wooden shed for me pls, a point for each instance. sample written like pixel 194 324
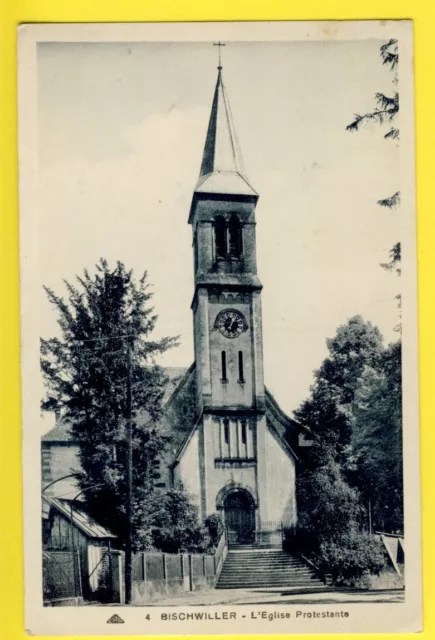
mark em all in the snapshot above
pixel 71 529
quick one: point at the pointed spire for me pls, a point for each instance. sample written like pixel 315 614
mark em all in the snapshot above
pixel 222 169
pixel 221 151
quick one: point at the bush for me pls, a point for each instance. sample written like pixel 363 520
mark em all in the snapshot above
pixel 300 540
pixel 350 556
pixel 328 506
pixel 329 531
pixel 177 528
pixel 215 527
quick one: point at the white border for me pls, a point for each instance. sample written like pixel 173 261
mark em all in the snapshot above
pixel 398 617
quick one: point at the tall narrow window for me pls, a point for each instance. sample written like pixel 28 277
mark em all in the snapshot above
pixel 224 366
pixel 243 432
pixel 241 375
pixel 227 431
pixel 220 234
pixel 235 239
pixel 195 250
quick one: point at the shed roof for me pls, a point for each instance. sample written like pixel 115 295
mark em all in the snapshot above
pixel 75 511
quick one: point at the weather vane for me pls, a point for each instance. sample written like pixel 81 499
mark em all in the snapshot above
pixel 219 44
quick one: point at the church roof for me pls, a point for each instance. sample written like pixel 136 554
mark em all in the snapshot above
pixel 61 432
pixel 224 182
pixel 222 170
pixel 180 412
pixel 174 374
pixel 180 416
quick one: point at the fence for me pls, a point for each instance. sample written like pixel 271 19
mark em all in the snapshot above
pixel 61 577
pixel 160 575
pixel 395 548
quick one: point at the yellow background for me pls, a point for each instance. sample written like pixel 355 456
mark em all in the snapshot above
pixel 13 12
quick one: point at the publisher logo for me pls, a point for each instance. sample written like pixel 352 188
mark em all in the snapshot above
pixel 115 619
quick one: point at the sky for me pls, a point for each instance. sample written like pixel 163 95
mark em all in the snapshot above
pixel 121 130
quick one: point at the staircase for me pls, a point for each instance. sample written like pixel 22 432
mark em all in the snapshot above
pixel 250 567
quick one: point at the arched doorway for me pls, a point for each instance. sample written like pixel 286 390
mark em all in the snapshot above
pixel 239 516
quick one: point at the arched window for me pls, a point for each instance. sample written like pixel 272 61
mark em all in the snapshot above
pixel 220 234
pixel 235 233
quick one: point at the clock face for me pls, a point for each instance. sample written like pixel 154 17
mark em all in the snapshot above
pixel 230 323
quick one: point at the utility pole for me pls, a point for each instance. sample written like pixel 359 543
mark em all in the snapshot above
pixel 129 474
pixel 370 516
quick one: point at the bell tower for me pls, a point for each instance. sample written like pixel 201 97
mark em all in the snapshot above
pixel 227 317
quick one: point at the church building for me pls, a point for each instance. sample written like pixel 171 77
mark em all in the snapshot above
pixel 236 452
pixel 231 445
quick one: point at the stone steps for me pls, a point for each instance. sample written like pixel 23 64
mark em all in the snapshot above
pixel 273 575
pixel 246 566
pixel 269 578
pixel 246 557
pixel 267 584
pixel 253 568
pixel 236 575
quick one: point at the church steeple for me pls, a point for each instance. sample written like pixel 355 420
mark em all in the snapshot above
pixel 222 213
pixel 221 150
pixel 222 170
pixel 235 459
pixel 226 305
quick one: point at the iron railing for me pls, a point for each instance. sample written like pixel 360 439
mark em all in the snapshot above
pixel 269 533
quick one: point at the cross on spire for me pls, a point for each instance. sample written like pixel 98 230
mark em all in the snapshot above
pixel 219 44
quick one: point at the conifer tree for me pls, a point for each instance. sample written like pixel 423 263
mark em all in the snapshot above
pixel 386 111
pixel 85 369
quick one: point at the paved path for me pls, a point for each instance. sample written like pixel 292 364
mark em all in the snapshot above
pixel 322 595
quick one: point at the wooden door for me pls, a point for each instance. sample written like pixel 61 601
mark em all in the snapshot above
pixel 239 517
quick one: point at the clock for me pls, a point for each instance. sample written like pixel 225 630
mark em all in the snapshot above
pixel 230 323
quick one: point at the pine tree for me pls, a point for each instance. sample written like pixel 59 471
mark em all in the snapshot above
pixel 85 370
pixel 386 111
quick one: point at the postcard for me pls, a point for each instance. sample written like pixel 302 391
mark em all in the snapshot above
pixel 219 328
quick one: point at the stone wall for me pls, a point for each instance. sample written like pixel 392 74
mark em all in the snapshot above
pixel 59 460
pixel 281 481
